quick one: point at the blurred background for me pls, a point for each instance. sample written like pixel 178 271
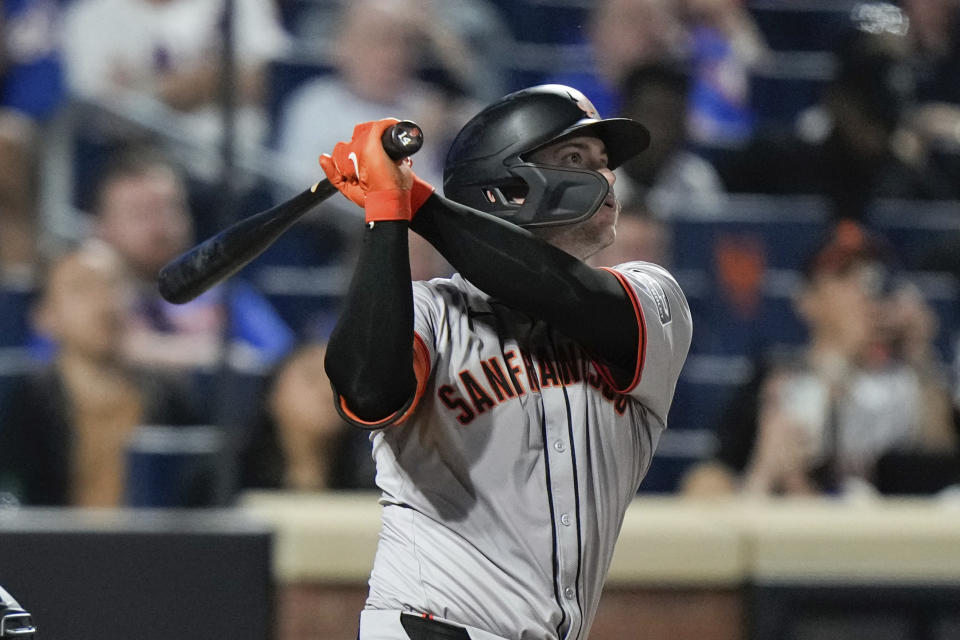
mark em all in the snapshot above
pixel 803 185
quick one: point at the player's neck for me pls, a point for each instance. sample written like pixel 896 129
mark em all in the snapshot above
pixel 570 240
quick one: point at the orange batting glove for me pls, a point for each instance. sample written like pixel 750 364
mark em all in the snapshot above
pixel 362 171
pixel 419 192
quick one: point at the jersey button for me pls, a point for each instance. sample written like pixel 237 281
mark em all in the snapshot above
pixel 565 519
pixel 559 446
pixel 568 592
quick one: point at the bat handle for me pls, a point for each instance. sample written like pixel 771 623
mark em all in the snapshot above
pixel 399 141
pixel 402 139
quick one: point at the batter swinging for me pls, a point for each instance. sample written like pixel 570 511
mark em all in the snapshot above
pixel 514 407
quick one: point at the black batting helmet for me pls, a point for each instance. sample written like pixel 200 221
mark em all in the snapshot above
pixel 487 163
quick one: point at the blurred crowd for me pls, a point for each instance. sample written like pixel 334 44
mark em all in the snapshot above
pixel 803 183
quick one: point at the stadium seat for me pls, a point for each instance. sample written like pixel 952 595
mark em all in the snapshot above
pixel 795 25
pixel 703 390
pixel 15 316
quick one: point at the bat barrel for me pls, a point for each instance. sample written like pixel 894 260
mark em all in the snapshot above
pixel 224 254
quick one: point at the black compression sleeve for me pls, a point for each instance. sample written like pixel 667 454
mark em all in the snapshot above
pixel 511 264
pixel 370 353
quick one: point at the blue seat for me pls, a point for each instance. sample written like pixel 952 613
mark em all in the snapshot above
pixel 704 389
pixel 706 385
pixel 304 275
pixel 11 376
pixel 778 100
pixel 922 235
pixel 916 228
pixel 665 474
pixel 231 395
pixel 799 26
pixel 15 316
pixel 545 22
pixel 284 76
pixel 720 330
pixel 941 291
pixel 15 364
pixel 739 270
pixel 783 228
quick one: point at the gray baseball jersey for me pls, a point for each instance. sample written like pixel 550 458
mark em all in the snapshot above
pixel 506 481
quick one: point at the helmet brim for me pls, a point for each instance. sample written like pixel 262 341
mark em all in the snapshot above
pixel 624 138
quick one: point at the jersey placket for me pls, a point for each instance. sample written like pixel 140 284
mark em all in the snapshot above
pixel 561 458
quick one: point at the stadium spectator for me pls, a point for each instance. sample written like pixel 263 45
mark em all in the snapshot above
pixel 669 175
pixel 716 38
pixel 848 147
pixel 726 46
pixel 141 210
pixel 933 125
pixel 866 384
pixel 469 52
pixel 30 94
pixel 621 35
pixel 118 52
pixel 376 59
pixel 934 42
pixel 64 440
pixel 299 441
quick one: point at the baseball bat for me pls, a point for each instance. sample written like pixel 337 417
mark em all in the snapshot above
pixel 222 255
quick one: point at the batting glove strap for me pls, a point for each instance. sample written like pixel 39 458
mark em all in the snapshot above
pixel 392 204
pixel 419 193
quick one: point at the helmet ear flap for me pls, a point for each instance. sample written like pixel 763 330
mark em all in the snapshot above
pixel 558 195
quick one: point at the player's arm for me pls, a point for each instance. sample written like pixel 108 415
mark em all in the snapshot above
pixel 509 263
pixel 370 353
pixel 369 356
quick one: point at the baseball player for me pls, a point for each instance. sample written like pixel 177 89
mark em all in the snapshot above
pixel 515 406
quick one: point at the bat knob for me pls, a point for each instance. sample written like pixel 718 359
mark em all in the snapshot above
pixel 402 139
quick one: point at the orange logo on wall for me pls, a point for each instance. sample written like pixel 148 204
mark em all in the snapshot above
pixel 740 261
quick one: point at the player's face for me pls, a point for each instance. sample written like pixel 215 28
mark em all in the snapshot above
pixel 599 230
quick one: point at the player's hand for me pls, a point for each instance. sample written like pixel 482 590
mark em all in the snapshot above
pixel 419 192
pixel 350 188
pixel 363 172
